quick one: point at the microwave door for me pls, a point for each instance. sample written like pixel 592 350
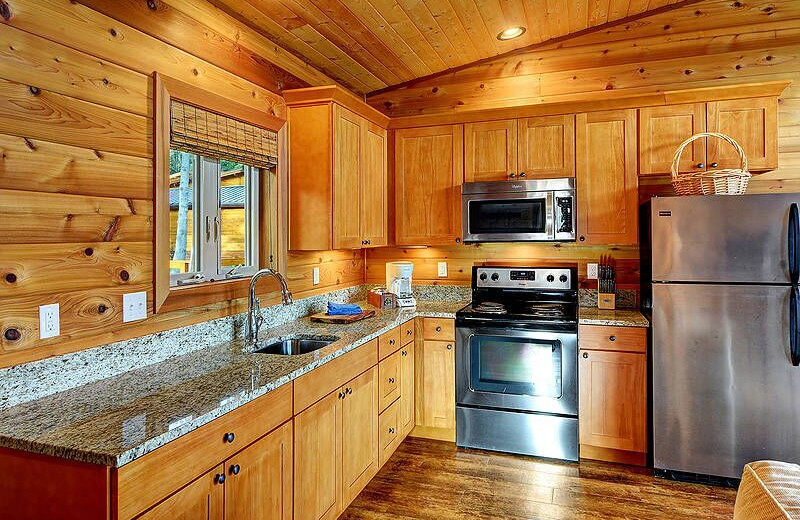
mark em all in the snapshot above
pixel 509 217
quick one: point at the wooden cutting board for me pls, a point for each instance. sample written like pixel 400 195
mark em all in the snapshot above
pixel 326 318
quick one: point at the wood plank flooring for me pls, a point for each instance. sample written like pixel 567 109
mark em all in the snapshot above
pixel 434 480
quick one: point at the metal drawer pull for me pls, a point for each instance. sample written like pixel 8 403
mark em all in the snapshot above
pixel 228 437
pixel 585 355
pixel 405 353
pixel 438 329
pixel 391 380
pixel 449 347
pixel 391 342
pixel 391 430
pixel 235 469
pixel 612 338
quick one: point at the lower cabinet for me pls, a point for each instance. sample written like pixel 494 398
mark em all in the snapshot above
pixel 406 407
pixel 359 434
pixel 202 499
pixel 435 374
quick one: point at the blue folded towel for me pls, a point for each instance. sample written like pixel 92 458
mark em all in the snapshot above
pixel 343 309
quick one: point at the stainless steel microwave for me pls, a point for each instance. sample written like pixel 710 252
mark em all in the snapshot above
pixel 518 211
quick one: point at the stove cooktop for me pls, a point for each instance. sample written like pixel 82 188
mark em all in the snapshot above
pixel 523 311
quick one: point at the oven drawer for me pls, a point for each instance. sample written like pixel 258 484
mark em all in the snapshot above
pixel 605 337
pixel 439 329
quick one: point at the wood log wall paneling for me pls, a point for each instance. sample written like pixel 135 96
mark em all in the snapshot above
pixel 76 208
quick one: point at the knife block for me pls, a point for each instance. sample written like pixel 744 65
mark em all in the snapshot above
pixel 606 301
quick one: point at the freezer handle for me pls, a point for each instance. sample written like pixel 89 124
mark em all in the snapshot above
pixel 794 329
pixel 794 235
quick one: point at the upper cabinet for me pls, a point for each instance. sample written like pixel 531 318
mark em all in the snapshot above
pixel 752 122
pixel 428 176
pixel 607 183
pixel 534 147
pixel 338 196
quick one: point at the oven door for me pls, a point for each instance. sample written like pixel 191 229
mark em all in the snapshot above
pixel 514 369
pixel 508 217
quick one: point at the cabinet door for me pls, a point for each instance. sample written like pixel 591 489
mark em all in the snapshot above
pixel 663 129
pixel 374 189
pixel 436 382
pixel 607 181
pixel 259 479
pixel 547 146
pixel 613 400
pixel 428 176
pixel 201 500
pixel 347 156
pixel 359 434
pixel 490 151
pixel 318 459
pixel 406 389
pixel 753 123
pixel 390 380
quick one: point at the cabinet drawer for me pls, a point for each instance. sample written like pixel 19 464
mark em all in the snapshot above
pixel 389 342
pixel 158 474
pixel 439 329
pixel 389 437
pixel 389 373
pixel 407 332
pixel 602 337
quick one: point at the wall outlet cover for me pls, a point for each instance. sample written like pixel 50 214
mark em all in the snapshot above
pixel 315 275
pixel 49 321
pixel 134 306
pixel 591 271
pixel 442 269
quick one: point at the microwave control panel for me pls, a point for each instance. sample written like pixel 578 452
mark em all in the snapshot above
pixel 564 205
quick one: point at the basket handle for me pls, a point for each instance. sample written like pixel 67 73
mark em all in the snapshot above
pixel 676 160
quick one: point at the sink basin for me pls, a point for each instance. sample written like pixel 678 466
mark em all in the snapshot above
pixel 295 345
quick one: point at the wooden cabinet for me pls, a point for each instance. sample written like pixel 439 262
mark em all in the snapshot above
pixel 359 434
pixel 490 151
pixel 752 122
pixel 547 146
pixel 406 412
pixel 435 402
pixel 203 499
pixel 390 434
pixel 428 176
pixel 391 379
pixel 338 179
pixel 607 182
pixel 612 404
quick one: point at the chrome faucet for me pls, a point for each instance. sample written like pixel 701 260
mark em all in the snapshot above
pixel 254 318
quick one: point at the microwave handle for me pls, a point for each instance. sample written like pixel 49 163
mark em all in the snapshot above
pixel 550 216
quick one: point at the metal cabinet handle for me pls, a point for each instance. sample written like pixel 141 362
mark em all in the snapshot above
pixel 219 478
pixel 341 395
pixel 612 338
pixel 391 342
pixel 409 332
pixel 449 347
pixel 714 165
pixel 228 437
pixel 522 174
pixel 349 391
pixel 404 353
pixel 582 238
pixel 391 430
pixel 512 175
pixel 701 165
pixel 438 329
pixel 391 380
pixel 235 469
pixel 585 355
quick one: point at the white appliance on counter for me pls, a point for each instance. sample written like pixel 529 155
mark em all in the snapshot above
pixel 398 281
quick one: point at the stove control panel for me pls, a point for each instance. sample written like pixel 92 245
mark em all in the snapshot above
pixel 523 278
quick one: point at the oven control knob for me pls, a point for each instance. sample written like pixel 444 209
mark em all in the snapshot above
pixel 483 276
pixel 550 278
pixel 562 278
pixel 495 277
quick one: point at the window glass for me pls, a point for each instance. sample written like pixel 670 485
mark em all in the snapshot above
pixel 235 209
pixel 182 202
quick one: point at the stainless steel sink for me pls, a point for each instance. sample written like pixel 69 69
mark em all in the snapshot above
pixel 294 345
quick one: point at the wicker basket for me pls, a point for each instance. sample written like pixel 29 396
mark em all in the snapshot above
pixel 732 181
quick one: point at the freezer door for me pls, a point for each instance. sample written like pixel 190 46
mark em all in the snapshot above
pixel 725 391
pixel 723 239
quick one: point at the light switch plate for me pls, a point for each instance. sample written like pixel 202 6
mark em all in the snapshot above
pixel 315 275
pixel 591 271
pixel 442 269
pixel 49 321
pixel 134 306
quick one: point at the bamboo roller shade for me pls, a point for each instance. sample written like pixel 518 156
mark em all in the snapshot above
pixel 202 132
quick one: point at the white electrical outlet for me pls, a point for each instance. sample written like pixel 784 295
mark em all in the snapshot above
pixel 49 321
pixel 134 306
pixel 442 269
pixel 591 271
pixel 315 275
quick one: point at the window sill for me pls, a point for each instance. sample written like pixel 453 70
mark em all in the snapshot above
pixel 188 296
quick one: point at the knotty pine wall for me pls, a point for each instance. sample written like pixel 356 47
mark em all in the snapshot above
pixel 706 44
pixel 76 208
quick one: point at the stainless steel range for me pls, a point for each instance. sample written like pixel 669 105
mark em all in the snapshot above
pixel 516 362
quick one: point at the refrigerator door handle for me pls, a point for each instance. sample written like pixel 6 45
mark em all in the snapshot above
pixel 794 329
pixel 793 236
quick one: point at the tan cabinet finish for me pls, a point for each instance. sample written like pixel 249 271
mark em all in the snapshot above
pixel 407 332
pixel 547 147
pixel 347 156
pixel 203 499
pixel 435 390
pixel 359 434
pixel 626 339
pixel 391 379
pixel 607 182
pixel 439 329
pixel 753 123
pixel 390 434
pixel 428 176
pixel 663 129
pixel 389 342
pixel 374 197
pixel 490 151
pixel 406 412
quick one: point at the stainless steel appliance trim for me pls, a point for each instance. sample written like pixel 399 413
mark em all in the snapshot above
pixel 494 187
pixel 504 280
pixel 509 237
pixel 563 235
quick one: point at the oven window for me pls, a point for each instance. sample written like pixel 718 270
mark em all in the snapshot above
pixel 507 216
pixel 511 365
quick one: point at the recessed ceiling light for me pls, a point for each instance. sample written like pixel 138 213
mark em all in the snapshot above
pixel 511 33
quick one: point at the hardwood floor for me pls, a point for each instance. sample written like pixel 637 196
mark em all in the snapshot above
pixel 433 480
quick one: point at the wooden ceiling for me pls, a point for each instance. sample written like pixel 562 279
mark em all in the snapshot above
pixel 368 45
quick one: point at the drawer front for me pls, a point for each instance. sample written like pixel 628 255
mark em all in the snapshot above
pixel 389 342
pixel 389 437
pixel 602 337
pixel 439 329
pixel 313 386
pixel 389 373
pixel 407 332
pixel 155 476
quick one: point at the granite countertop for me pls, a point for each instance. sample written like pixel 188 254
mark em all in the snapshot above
pixel 616 318
pixel 116 420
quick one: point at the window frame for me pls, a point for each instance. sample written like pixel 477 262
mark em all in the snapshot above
pixel 168 297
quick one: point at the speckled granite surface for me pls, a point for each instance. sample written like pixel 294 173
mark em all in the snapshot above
pixel 617 318
pixel 118 419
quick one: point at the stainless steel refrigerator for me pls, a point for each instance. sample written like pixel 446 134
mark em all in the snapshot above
pixel 726 346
